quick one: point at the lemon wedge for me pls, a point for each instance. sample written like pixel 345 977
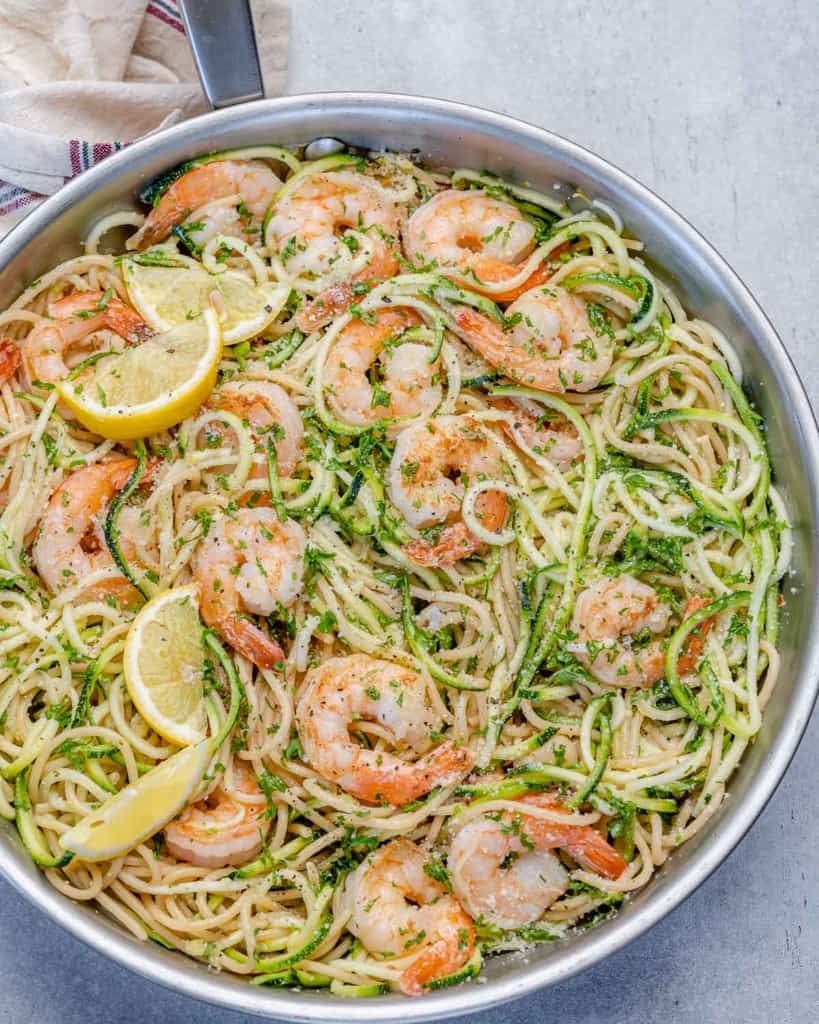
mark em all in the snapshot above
pixel 141 809
pixel 150 387
pixel 164 666
pixel 171 291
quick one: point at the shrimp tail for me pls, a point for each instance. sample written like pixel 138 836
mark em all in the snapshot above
pixel 121 591
pixel 696 640
pixel 491 271
pixel 97 310
pixel 592 851
pixel 588 847
pixel 483 334
pixel 454 543
pixel 250 641
pixel 119 473
pixel 441 767
pixel 440 958
pixel 170 210
pixel 159 224
pixel 10 359
pixel 125 322
pixel 445 764
pixel 336 299
pixel 488 340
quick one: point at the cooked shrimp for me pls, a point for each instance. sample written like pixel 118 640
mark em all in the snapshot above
pixel 307 231
pixel 267 408
pixel 10 359
pixel 550 345
pixel 251 182
pixel 409 385
pixel 504 870
pixel 550 436
pixel 497 877
pixel 70 545
pixel 74 319
pixel 476 234
pixel 249 564
pixel 433 463
pixel 228 828
pixel 344 692
pixel 398 909
pixel 607 615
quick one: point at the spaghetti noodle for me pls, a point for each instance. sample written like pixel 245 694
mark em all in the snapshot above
pixel 513 617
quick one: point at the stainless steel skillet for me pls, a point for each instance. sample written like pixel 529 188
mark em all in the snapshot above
pixel 453 134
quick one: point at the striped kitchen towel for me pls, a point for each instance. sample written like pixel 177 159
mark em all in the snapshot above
pixel 79 79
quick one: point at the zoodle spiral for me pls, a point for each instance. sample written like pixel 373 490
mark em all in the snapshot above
pixel 482 532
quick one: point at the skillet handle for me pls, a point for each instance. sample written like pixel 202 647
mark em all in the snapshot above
pixel 223 41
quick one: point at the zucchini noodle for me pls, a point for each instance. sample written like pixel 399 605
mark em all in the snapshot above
pixel 635 492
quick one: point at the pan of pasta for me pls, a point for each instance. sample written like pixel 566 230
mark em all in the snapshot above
pixel 406 558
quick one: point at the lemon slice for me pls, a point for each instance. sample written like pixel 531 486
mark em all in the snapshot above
pixel 149 387
pixel 164 666
pixel 166 294
pixel 249 307
pixel 141 809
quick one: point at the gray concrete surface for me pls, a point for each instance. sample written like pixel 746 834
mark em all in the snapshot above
pixel 714 105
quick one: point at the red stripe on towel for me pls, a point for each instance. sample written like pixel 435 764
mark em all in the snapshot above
pixel 165 17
